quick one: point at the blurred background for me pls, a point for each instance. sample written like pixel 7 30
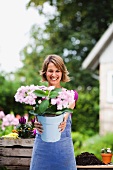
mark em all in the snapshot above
pixel 29 31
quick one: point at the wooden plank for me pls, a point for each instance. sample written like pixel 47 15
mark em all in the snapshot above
pixel 95 166
pixel 17 167
pixel 13 142
pixel 15 161
pixel 26 152
pixel 15 154
pixel 83 167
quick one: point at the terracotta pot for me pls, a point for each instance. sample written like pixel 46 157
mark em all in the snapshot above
pixel 106 157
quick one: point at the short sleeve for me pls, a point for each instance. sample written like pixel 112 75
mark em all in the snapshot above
pixel 76 95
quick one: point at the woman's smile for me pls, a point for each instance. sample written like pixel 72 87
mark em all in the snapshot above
pixel 53 78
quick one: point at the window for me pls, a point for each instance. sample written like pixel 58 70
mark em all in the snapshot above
pixel 110 86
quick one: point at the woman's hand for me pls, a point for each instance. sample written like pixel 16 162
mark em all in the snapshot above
pixel 72 105
pixel 38 126
pixel 62 125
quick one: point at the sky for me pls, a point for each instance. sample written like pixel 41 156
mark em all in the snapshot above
pixel 15 24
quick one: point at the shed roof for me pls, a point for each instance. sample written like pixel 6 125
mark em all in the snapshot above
pixel 92 60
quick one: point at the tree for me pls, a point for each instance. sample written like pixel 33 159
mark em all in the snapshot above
pixel 8 88
pixel 71 32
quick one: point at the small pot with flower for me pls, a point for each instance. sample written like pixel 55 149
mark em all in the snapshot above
pixel 26 129
pixel 49 105
pixel 106 155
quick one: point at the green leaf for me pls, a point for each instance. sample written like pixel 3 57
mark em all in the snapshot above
pixel 32 112
pixel 44 105
pixel 63 111
pixel 57 89
pixel 35 112
pixel 59 113
pixel 41 93
pixel 54 93
pixel 37 106
pixel 51 110
pixel 68 110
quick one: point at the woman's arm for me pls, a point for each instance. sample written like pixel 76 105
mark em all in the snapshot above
pixel 63 124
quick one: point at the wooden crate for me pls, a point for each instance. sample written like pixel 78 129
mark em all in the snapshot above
pixel 15 154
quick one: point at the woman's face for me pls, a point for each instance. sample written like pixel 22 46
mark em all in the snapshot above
pixel 53 75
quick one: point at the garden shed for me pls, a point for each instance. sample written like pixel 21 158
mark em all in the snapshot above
pixel 101 56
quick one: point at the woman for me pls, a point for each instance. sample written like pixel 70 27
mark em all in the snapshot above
pixel 54 155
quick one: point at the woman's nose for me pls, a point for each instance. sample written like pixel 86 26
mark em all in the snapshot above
pixel 53 74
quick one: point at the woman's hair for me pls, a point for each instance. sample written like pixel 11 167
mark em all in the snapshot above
pixel 59 63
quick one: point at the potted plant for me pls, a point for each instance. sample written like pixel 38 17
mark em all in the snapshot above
pixel 106 154
pixel 25 129
pixel 49 105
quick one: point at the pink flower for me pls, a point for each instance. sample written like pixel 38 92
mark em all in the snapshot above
pixel 64 99
pixel 53 101
pixel 25 94
pixel 2 115
pixel 35 95
pixel 15 122
pixel 9 120
pixel 51 88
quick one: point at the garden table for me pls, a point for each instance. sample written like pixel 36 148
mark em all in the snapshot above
pixel 94 167
pixel 15 154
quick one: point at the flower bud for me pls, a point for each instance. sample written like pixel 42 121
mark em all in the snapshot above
pixel 22 120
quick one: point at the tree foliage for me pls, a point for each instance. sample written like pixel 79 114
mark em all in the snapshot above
pixel 86 117
pixel 7 91
pixel 71 31
pixel 78 24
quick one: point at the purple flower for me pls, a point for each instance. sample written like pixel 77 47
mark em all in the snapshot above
pixel 76 95
pixel 34 132
pixel 32 121
pixel 22 120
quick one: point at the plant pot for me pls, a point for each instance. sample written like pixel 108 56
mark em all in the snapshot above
pixel 50 127
pixel 106 157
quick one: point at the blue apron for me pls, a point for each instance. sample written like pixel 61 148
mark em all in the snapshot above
pixel 54 155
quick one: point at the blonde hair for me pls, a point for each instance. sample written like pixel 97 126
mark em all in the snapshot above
pixel 59 63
